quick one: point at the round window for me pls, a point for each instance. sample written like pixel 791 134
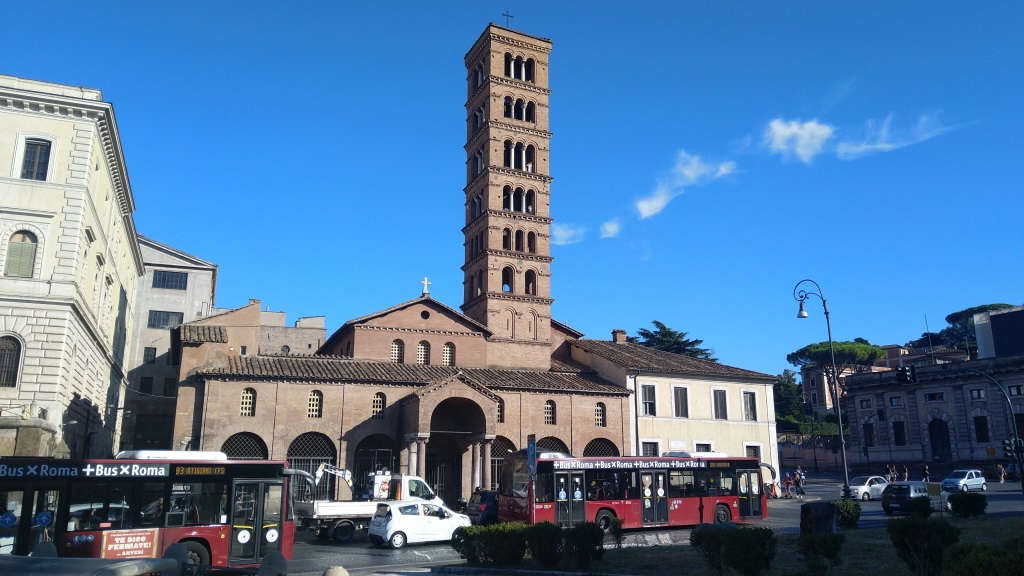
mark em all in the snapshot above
pixel 285 349
pixel 424 314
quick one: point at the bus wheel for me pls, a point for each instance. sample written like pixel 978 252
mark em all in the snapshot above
pixel 604 519
pixel 342 532
pixel 197 553
pixel 722 514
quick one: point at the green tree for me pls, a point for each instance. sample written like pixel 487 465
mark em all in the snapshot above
pixel 789 399
pixel 669 340
pixel 849 357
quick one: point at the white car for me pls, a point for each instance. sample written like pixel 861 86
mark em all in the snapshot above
pixel 402 522
pixel 867 487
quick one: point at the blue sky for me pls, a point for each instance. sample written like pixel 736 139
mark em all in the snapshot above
pixel 706 155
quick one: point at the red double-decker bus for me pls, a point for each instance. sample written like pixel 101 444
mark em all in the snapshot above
pixel 683 490
pixel 225 512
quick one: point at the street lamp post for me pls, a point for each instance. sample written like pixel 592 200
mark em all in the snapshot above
pixel 801 295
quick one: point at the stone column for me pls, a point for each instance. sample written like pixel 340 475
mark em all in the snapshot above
pixel 485 456
pixel 413 464
pixel 421 462
pixel 474 474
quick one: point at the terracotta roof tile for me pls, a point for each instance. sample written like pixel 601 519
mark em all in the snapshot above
pixel 344 370
pixel 637 357
pixel 198 333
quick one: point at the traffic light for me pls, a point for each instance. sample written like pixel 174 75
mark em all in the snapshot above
pixel 1009 449
pixel 902 375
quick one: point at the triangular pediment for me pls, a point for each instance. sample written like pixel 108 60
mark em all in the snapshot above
pixel 408 315
pixel 459 378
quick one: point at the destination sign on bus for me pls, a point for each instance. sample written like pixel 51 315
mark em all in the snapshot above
pixel 199 470
pixel 52 470
pixel 631 464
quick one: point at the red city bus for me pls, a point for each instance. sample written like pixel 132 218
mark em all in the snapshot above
pixel 225 512
pixel 683 490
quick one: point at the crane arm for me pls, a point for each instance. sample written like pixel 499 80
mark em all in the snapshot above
pixel 337 471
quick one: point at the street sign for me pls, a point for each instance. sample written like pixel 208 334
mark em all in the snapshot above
pixel 531 454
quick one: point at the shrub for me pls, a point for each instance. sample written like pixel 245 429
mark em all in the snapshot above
pixel 968 504
pixel 821 551
pixel 465 541
pixel 981 559
pixel 849 513
pixel 615 529
pixel 751 549
pixel 919 542
pixel 584 542
pixel 544 541
pixel 501 544
pixel 709 540
pixel 921 507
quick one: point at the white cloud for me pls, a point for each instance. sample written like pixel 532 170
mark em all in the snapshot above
pixel 562 234
pixel 611 228
pixel 880 137
pixel 688 170
pixel 806 139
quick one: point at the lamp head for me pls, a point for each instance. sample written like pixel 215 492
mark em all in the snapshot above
pixel 802 313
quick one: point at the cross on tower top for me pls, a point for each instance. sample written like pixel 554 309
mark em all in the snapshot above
pixel 426 283
pixel 507 15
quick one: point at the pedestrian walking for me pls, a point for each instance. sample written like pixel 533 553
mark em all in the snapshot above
pixel 788 483
pixel 906 473
pixel 925 476
pixel 1002 474
pixel 798 482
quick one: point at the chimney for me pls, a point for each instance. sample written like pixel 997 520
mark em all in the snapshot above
pixel 619 336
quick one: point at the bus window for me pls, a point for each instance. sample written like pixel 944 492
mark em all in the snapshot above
pixel 152 513
pixel 545 487
pixel 99 507
pixel 681 483
pixel 199 503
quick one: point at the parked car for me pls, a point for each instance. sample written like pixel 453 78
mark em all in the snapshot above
pixel 402 522
pixel 964 480
pixel 483 507
pixel 867 487
pixel 897 496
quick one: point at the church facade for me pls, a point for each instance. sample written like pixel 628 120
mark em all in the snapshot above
pixel 426 389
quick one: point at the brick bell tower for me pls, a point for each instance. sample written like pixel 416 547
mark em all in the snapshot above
pixel 507 273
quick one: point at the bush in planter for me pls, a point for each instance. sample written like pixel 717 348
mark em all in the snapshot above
pixel 544 540
pixel 615 529
pixel 584 542
pixel 709 540
pixel 465 541
pixel 849 512
pixel 982 559
pixel 821 551
pixel 921 507
pixel 967 504
pixel 501 544
pixel 751 549
pixel 919 542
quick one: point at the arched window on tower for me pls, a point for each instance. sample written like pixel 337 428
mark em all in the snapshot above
pixel 448 354
pixel 509 150
pixel 520 108
pixel 380 401
pixel 531 198
pixel 472 287
pixel 530 65
pixel 508 107
pixel 21 255
pixel 398 352
pixel 315 405
pixel 531 112
pixel 478 76
pixel 519 240
pixel 506 198
pixel 550 413
pixel 600 415
pixel 247 406
pixel 531 243
pixel 531 283
pixel 508 65
pixel 517 200
pixel 10 359
pixel 517 71
pixel 480 283
pixel 519 156
pixel 507 276
pixel 423 352
pixel 506 239
pixel 531 158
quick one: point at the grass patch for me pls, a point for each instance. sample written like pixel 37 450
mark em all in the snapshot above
pixel 865 552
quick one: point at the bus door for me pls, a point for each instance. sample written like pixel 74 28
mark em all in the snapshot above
pixel 654 497
pixel 749 493
pixel 256 521
pixel 28 516
pixel 570 502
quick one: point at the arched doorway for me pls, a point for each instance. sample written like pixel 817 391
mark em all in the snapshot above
pixel 245 446
pixel 552 444
pixel 938 433
pixel 600 447
pixel 500 448
pixel 454 424
pixel 307 452
pixel 374 453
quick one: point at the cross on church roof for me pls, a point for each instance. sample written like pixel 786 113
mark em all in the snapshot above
pixel 426 283
pixel 507 15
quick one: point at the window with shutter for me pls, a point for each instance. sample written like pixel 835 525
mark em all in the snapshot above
pixel 21 255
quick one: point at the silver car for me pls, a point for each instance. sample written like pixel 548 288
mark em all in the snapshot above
pixel 866 487
pixel 964 480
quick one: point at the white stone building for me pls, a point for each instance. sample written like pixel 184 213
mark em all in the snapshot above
pixel 70 263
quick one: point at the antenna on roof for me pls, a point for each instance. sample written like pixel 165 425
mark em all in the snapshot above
pixel 507 15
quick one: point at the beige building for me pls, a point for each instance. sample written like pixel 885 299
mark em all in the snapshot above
pixel 177 287
pixel 71 266
pixel 424 388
